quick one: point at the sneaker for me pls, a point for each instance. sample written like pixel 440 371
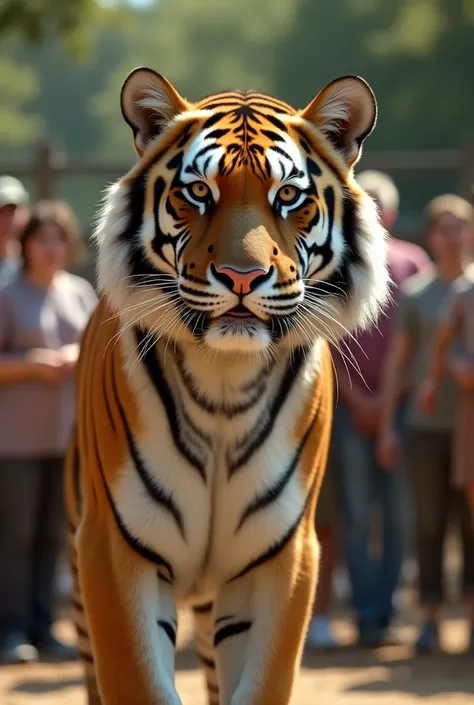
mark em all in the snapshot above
pixel 371 635
pixel 16 648
pixel 48 645
pixel 319 633
pixel 428 641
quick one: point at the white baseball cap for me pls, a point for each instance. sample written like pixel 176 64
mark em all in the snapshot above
pixel 12 192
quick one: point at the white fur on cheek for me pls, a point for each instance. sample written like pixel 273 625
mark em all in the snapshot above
pixel 370 282
pixel 113 254
pixel 371 279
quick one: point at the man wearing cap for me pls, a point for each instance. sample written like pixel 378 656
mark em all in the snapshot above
pixel 13 199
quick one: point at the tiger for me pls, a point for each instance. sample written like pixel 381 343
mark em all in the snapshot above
pixel 236 250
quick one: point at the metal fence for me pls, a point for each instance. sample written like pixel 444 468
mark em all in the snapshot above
pixel 421 174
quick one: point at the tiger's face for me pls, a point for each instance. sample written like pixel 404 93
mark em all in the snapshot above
pixel 241 227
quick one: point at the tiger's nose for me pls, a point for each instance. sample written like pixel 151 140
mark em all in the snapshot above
pixel 240 282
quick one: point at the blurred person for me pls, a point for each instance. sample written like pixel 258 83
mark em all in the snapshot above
pixel 456 323
pixel 13 201
pixel 43 311
pixel 428 445
pixel 361 479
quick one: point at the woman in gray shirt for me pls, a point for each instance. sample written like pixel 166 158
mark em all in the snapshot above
pixel 43 312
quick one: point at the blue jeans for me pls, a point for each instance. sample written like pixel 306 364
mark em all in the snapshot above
pixel 362 483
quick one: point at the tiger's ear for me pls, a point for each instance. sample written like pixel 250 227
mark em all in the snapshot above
pixel 149 102
pixel 346 112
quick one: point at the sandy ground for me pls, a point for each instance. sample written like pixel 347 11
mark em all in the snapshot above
pixel 390 675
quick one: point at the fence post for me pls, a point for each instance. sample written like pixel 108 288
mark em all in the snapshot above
pixel 466 176
pixel 49 162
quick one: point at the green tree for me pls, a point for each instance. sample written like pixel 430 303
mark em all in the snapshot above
pixel 200 48
pixel 19 85
pixel 36 20
pixel 416 54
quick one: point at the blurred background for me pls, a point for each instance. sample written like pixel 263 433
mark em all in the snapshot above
pixel 62 64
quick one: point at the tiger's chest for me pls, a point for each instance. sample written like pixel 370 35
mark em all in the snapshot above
pixel 215 487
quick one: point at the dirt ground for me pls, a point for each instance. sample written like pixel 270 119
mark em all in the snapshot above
pixel 391 675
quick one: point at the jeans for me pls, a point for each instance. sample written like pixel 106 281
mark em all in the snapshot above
pixel 362 483
pixel 429 463
pixel 31 539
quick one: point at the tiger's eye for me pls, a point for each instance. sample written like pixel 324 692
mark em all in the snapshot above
pixel 199 190
pixel 288 194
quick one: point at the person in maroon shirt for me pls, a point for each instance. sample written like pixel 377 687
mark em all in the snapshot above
pixel 361 481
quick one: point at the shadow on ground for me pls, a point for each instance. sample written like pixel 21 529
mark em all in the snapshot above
pixel 37 686
pixel 421 676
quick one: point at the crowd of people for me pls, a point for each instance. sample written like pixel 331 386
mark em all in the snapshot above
pixel 43 310
pixel 402 439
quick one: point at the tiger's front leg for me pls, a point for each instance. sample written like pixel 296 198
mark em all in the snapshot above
pixel 131 616
pixel 260 623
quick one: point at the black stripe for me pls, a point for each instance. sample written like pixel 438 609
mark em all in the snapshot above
pixel 228 410
pixel 107 403
pixel 212 120
pixel 275 136
pixel 287 382
pixel 132 541
pixel 282 297
pixel 159 382
pixel 136 206
pixel 182 247
pixel 259 378
pixel 163 577
pixel 272 493
pixel 191 278
pixel 86 657
pixel 81 631
pixel 272 118
pixel 169 630
pixel 279 309
pixel 205 437
pixel 203 609
pixel 274 550
pixel 206 661
pixel 212 689
pixel 77 605
pixel 197 292
pixel 156 492
pixel 200 305
pixel 279 150
pixel 230 630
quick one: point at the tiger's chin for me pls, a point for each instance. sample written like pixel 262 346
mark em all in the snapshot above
pixel 238 336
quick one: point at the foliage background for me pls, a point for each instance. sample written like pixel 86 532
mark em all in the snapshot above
pixel 62 65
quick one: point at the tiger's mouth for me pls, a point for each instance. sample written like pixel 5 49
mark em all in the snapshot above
pixel 240 311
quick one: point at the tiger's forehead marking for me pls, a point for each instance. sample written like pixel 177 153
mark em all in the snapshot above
pixel 236 99
pixel 245 131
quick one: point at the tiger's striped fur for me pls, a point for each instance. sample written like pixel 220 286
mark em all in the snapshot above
pixel 235 248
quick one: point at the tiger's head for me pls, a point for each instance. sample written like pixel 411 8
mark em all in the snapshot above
pixel 241 226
